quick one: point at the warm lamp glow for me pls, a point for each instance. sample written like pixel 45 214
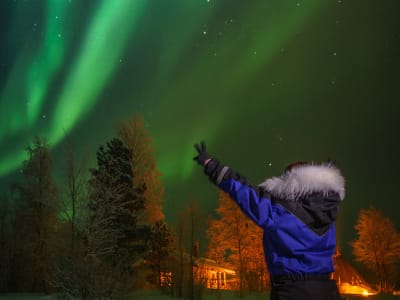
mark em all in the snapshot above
pixel 349 289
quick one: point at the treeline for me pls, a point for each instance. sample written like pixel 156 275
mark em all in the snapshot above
pixel 99 235
pixel 102 233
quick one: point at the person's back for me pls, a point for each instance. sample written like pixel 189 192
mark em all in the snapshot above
pixel 297 212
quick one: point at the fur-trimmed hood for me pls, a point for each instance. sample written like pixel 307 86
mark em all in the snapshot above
pixel 304 180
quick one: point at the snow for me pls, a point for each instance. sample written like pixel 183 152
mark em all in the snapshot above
pixel 148 295
pixel 156 295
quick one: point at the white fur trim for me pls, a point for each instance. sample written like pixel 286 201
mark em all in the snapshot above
pixel 306 179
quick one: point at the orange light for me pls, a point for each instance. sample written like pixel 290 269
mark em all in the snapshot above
pixel 348 289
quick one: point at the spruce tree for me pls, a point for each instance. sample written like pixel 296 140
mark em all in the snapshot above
pixel 116 243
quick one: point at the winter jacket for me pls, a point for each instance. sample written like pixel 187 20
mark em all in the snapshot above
pixel 297 212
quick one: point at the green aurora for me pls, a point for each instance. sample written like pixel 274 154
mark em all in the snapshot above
pixel 264 82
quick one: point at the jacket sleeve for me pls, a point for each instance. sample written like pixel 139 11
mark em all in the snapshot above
pixel 254 201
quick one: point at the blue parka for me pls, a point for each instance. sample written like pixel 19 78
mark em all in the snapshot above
pixel 297 212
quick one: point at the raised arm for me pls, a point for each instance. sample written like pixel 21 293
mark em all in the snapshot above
pixel 253 201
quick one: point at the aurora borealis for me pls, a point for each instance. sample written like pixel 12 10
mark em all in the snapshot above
pixel 264 82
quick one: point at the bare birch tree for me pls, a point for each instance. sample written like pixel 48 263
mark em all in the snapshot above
pixel 161 247
pixel 39 216
pixel 135 135
pixel 68 273
pixel 75 200
pixel 6 247
pixel 235 240
pixel 189 228
pixel 377 245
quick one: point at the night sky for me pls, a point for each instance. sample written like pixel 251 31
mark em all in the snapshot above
pixel 263 82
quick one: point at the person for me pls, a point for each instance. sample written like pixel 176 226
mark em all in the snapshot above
pixel 297 212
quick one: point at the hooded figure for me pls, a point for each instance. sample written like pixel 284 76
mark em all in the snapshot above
pixel 297 212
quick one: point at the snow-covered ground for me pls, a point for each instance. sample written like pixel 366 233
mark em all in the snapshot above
pixel 208 295
pixel 147 295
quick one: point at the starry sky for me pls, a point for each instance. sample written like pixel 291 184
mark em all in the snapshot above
pixel 263 82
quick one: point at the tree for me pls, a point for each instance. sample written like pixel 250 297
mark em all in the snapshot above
pixel 67 267
pixel 6 247
pixel 115 241
pixel 377 245
pixel 14 257
pixel 188 232
pixel 137 138
pixel 75 192
pixel 134 134
pixel 235 240
pixel 161 243
pixel 37 219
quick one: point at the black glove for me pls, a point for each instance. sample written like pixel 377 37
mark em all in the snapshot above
pixel 203 155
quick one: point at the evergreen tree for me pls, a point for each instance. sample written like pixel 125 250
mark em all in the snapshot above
pixel 115 241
